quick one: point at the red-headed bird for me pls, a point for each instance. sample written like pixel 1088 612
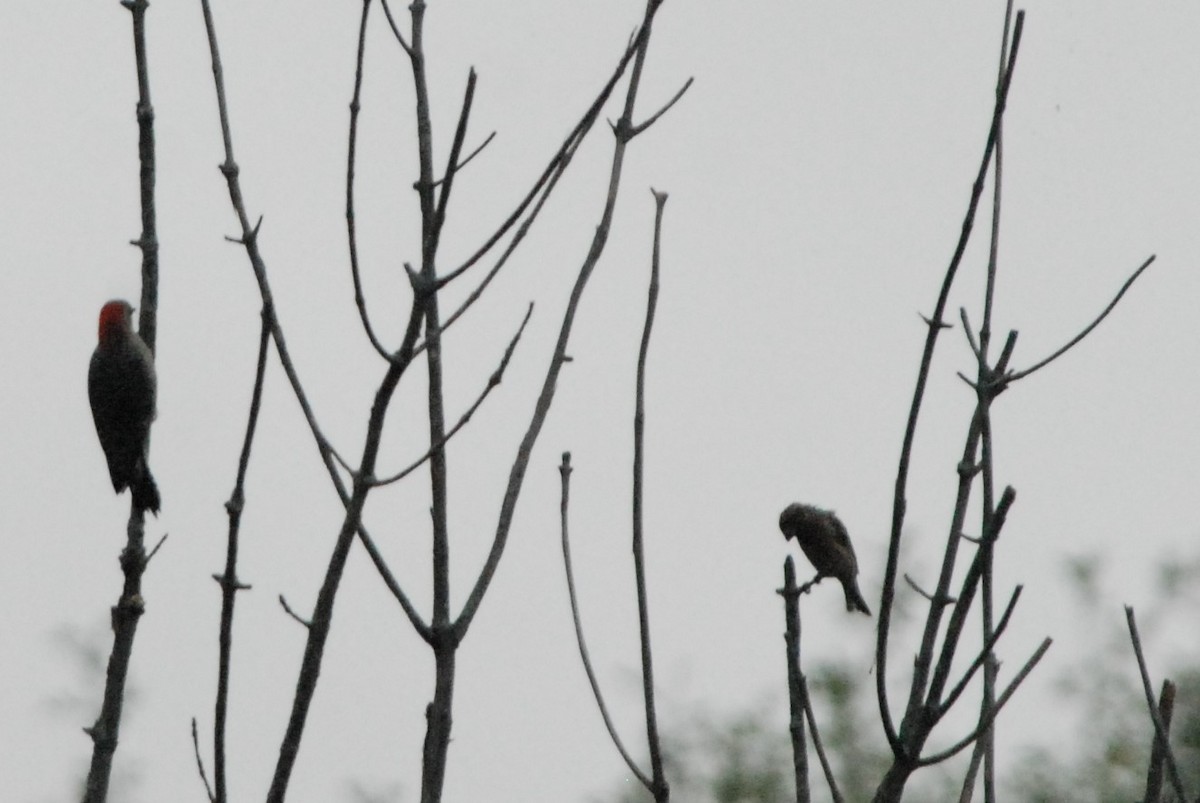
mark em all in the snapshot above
pixel 121 389
pixel 824 541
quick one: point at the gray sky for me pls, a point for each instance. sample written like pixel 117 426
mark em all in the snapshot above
pixel 818 171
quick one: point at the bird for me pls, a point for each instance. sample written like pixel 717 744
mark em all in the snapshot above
pixel 121 390
pixel 824 541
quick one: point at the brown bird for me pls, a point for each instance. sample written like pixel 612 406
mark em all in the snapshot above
pixel 824 541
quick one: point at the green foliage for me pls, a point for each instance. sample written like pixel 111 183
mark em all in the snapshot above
pixel 1108 761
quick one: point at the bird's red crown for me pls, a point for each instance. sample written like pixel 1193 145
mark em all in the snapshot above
pixel 114 319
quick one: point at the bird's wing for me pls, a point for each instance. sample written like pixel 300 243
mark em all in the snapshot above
pixel 842 539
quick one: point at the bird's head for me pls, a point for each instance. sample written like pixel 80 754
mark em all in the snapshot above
pixel 115 317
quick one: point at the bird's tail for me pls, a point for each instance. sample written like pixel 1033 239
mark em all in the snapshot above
pixel 854 597
pixel 145 491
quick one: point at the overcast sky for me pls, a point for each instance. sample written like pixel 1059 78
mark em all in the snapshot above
pixel 818 171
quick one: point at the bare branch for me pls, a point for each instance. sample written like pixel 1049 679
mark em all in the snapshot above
pixel 1087 330
pixel 154 551
pixel 834 792
pixel 993 639
pixel 553 170
pixel 564 471
pixel 467 160
pixel 899 504
pixel 659 789
pixel 797 690
pixel 970 585
pixel 228 579
pixel 200 763
pixel 447 182
pixel 130 605
pixel 637 129
pixel 389 580
pixel 990 717
pixel 1154 772
pixel 249 240
pixel 920 591
pixel 1160 729
pixel 492 382
pixel 396 30
pixel 966 324
pixel 352 151
pixel 288 609
pixel 550 383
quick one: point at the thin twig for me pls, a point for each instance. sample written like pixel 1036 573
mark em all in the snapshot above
pixel 393 585
pixel 228 579
pixel 967 790
pixel 984 399
pixel 467 159
pixel 970 584
pixel 992 639
pixel 352 151
pixel 1160 729
pixel 200 763
pixel 148 240
pixel 249 240
pixel 288 609
pixel 396 30
pixel 494 380
pixel 555 167
pixel 154 551
pixel 1000 702
pixel 637 129
pixel 564 471
pixel 834 793
pixel 446 183
pixel 659 789
pixel 1087 330
pixel 966 324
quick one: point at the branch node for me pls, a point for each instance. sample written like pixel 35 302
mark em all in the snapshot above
pixel 932 324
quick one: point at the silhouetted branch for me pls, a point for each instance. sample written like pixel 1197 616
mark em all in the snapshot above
pixel 834 793
pixel 1160 728
pixel 550 383
pixel 352 151
pixel 637 129
pixel 543 185
pixel 200 763
pixel 228 579
pixel 659 789
pixel 446 183
pixel 797 689
pixel 564 471
pixel 494 380
pixel 935 324
pixel 986 721
pixel 130 605
pixel 467 159
pixel 396 30
pixel 1158 753
pixel 1087 330
pixel 981 658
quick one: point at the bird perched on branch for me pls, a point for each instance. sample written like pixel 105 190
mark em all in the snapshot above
pixel 824 541
pixel 121 390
